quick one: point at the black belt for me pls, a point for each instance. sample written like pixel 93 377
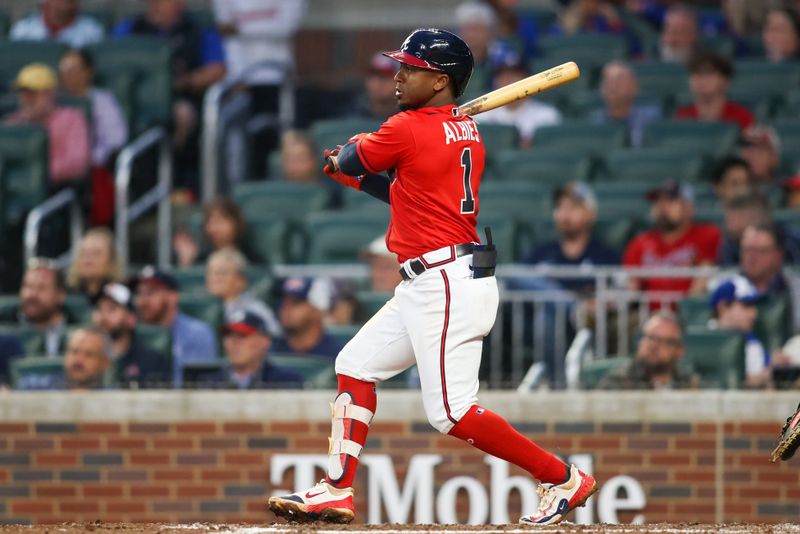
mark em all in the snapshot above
pixel 418 266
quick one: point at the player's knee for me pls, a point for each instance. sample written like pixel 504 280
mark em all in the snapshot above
pixel 439 420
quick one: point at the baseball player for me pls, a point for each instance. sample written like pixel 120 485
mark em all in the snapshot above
pixel 447 301
pixel 789 439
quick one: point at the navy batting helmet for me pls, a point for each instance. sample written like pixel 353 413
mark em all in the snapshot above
pixel 437 50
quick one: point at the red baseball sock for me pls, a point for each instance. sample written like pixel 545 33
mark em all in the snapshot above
pixel 492 434
pixel 363 395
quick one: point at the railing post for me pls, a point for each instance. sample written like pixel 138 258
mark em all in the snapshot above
pixel 65 198
pixel 164 207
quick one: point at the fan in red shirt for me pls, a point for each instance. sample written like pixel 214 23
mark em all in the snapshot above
pixel 676 241
pixel 709 78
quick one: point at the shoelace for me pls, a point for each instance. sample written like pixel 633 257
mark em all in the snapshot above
pixel 546 498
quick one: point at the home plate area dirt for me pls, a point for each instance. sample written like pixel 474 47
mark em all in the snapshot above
pixel 134 528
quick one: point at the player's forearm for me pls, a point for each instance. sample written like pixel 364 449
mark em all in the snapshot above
pixel 376 185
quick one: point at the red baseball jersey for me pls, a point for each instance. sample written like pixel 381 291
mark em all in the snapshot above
pixel 732 112
pixel 435 159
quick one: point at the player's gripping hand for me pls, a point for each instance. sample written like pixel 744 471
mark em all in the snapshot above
pixel 332 169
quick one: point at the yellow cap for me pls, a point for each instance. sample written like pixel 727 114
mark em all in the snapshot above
pixel 36 77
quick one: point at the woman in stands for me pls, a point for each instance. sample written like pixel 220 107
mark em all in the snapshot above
pixel 95 263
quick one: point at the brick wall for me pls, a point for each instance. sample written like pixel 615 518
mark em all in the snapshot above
pixel 218 470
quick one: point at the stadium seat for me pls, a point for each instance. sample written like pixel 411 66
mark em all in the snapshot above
pixel 35 372
pixel 713 138
pixel 278 198
pixel 190 279
pixel 788 130
pixel 370 302
pixel 544 166
pixel 497 137
pixel 340 237
pixel 206 308
pixel 318 371
pixel 508 236
pixel 276 240
pixel 716 355
pixel 589 50
pixel 17 54
pixel 694 311
pixel 32 340
pixel 720 43
pixel 515 199
pixel 592 372
pixel 5 24
pixel 623 198
pixel 331 132
pixel 773 325
pixel 654 165
pixel 615 231
pixel 584 137
pixel 661 81
pixel 342 333
pixel 765 77
pixel 155 337
pixel 149 60
pixel 24 150
pixel 78 308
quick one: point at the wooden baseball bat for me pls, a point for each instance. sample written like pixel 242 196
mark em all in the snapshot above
pixel 542 81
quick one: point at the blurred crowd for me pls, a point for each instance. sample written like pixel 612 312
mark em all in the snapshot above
pixel 221 318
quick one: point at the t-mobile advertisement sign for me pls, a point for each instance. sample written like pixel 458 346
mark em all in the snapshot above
pixel 486 504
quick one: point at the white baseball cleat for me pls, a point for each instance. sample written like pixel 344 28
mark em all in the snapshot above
pixel 323 502
pixel 557 500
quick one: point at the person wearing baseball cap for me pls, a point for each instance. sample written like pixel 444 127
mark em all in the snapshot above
pixel 135 365
pixel 761 149
pixel 304 303
pixel 157 303
pixel 675 240
pixel 384 271
pixel 378 100
pixel 247 338
pixel 67 129
pixel 733 307
pixel 574 217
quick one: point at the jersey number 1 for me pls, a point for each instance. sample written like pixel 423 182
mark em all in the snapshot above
pixel 468 202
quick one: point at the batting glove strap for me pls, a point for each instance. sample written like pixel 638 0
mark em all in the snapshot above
pixel 344 446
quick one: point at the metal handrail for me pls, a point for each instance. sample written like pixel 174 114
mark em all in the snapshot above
pixel 66 198
pixel 212 107
pixel 127 213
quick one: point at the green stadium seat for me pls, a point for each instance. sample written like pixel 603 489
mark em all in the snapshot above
pixel 694 311
pixel 318 371
pixel 615 231
pixel 32 340
pixel 653 165
pixel 716 355
pixel 190 279
pixel 592 372
pixel 585 137
pixel 550 166
pixel 331 132
pixel 773 325
pixel 8 304
pixel 17 54
pixel 24 150
pixel 149 61
pixel 5 24
pixel 35 370
pixel 508 236
pixel 714 138
pixel 623 198
pixel 497 137
pixel 277 240
pixel 788 130
pixel 661 81
pixel 104 16
pixel 278 198
pixel 358 201
pixel 78 308
pixel 155 337
pixel 342 333
pixel 206 308
pixel 765 77
pixel 515 199
pixel 562 96
pixel 400 381
pixel 370 302
pixel 589 50
pixel 721 44
pixel 340 237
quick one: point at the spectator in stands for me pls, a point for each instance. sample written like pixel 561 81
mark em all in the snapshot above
pixel 733 307
pixel 157 303
pixel 68 133
pixel 87 359
pixel 378 100
pixel 574 216
pixel 675 241
pixel 198 62
pixel 223 227
pixel 752 208
pixel 527 114
pixel 591 16
pixel 247 340
pixel 761 149
pixel 41 304
pixel 10 349
pixel 109 129
pixel 516 27
pixel 620 88
pixel 226 278
pixel 709 78
pixel 95 263
pixel 134 364
pixel 300 159
pixel 731 177
pixel 384 271
pixel 303 306
pixel 259 44
pixel 781 34
pixel 657 355
pixel 477 25
pixel 58 20
pixel 679 35
pixel 791 188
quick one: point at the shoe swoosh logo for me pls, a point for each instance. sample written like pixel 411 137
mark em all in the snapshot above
pixel 310 496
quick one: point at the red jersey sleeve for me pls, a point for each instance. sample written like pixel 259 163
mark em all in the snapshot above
pixel 633 252
pixel 709 244
pixel 384 149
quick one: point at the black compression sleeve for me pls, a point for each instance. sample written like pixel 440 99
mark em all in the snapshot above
pixel 376 185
